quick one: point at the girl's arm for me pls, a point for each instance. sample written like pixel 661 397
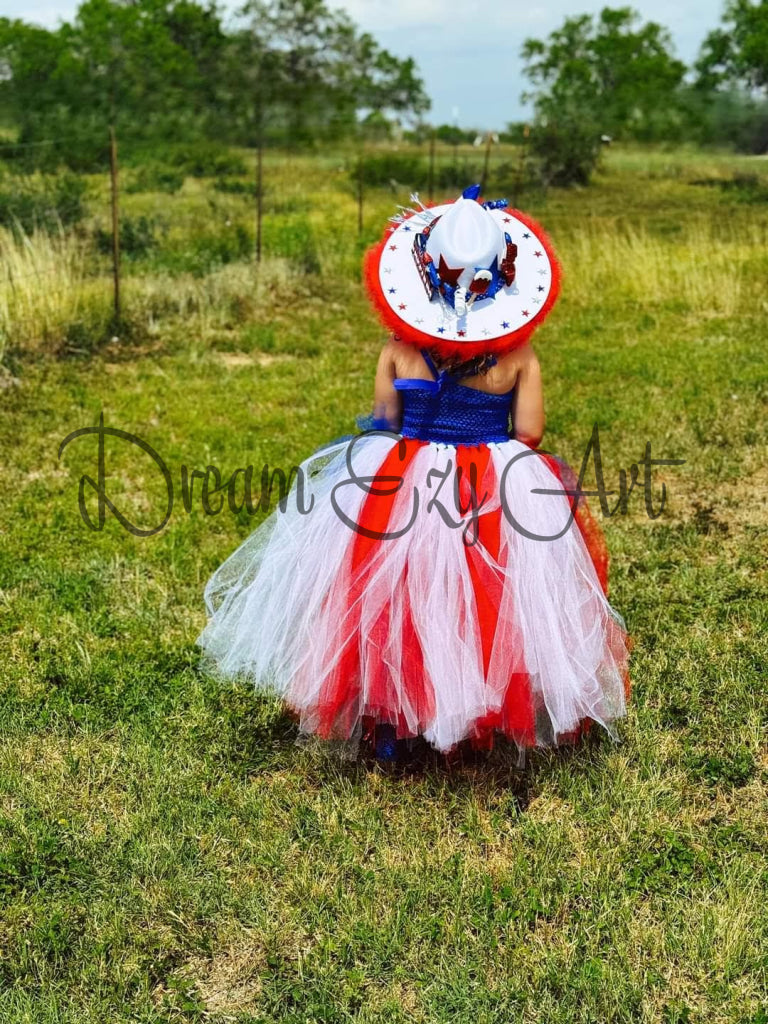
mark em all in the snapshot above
pixel 528 403
pixel 387 401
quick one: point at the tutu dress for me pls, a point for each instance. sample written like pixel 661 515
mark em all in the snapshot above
pixel 443 578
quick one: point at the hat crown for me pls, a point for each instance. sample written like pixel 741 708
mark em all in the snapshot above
pixel 466 236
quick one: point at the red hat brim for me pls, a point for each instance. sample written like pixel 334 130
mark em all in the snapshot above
pixel 498 345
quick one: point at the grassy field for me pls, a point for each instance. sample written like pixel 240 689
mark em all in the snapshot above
pixel 167 851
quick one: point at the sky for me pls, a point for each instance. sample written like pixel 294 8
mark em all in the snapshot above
pixel 468 53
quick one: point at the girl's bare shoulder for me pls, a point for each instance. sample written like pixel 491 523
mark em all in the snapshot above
pixel 519 359
pixel 393 349
pixel 389 353
pixel 406 358
pixel 509 368
pixel 522 361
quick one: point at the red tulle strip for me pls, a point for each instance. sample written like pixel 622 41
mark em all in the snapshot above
pixel 515 718
pixel 340 698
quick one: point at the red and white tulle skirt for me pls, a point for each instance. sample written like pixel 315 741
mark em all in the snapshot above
pixel 451 591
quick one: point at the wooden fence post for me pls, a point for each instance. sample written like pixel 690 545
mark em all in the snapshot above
pixel 520 184
pixel 115 222
pixel 431 183
pixel 486 163
pixel 360 193
pixel 259 195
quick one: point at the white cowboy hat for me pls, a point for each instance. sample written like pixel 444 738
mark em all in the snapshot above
pixel 465 277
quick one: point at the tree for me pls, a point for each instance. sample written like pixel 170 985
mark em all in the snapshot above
pixel 143 67
pixel 312 73
pixel 738 54
pixel 452 135
pixel 29 57
pixel 726 116
pixel 614 75
pixel 169 70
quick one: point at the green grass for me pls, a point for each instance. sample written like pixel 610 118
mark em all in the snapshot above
pixel 167 851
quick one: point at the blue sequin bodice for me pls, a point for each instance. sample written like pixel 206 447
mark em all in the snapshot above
pixel 445 411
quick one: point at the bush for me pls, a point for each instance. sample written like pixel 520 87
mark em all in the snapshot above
pixel 235 186
pixel 83 149
pixel 204 160
pixel 156 178
pixel 196 159
pixel 293 239
pixel 457 175
pixel 137 237
pixel 454 136
pixel 205 253
pixel 384 168
pixel 42 202
pixel 733 118
pixel 743 188
pixel 564 152
pixel 510 180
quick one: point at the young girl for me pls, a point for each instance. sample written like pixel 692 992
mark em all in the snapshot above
pixel 436 576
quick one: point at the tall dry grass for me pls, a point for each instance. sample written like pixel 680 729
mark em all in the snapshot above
pixel 206 302
pixel 709 266
pixel 49 292
pixel 44 287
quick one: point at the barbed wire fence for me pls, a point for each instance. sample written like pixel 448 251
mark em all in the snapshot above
pixel 27 196
pixel 26 206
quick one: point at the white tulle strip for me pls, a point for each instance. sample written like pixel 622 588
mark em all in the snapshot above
pixel 573 639
pixel 279 615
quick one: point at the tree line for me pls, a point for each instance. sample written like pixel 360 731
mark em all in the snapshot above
pixel 614 76
pixel 299 72
pixel 286 70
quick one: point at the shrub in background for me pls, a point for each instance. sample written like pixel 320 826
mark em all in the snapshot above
pixel 235 186
pixel 564 152
pixel 42 202
pixel 137 237
pixel 196 159
pixel 155 177
pixel 404 169
pixel 203 160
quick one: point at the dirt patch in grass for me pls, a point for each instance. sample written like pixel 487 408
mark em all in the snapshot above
pixel 726 508
pixel 228 983
pixel 232 360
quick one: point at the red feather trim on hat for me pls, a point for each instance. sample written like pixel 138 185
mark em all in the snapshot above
pixel 498 346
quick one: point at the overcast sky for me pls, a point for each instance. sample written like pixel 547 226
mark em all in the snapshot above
pixel 468 53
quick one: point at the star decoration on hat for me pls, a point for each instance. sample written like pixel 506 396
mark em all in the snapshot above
pixel 448 274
